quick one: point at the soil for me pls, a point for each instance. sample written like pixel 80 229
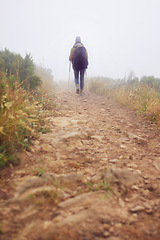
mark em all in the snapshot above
pixel 95 176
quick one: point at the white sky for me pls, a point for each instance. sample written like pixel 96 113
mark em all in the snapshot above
pixel 120 35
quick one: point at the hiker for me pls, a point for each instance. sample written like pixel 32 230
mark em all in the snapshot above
pixel 79 58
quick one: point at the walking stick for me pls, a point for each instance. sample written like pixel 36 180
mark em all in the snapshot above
pixel 87 82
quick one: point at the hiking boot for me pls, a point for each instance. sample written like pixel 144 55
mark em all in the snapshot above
pixel 77 88
pixel 77 91
pixel 81 92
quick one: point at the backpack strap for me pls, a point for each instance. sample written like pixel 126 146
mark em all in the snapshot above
pixel 78 45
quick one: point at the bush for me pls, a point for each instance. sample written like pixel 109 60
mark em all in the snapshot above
pixel 15 67
pixel 21 109
pixel 18 120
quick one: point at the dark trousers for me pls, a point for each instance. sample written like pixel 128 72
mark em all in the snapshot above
pixel 76 77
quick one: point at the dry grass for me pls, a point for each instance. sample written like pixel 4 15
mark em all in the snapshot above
pixel 138 96
pixel 21 117
pixel 141 98
pixel 100 85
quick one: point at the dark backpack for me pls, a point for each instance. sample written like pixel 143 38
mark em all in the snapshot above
pixel 80 59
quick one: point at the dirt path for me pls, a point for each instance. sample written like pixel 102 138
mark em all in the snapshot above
pixel 94 177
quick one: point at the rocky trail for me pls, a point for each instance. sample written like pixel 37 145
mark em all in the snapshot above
pixel 95 176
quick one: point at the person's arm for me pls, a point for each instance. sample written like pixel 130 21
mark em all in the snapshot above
pixel 86 54
pixel 71 54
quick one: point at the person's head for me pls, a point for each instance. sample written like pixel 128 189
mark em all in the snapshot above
pixel 78 39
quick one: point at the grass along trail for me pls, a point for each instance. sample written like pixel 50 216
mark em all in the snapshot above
pixel 95 176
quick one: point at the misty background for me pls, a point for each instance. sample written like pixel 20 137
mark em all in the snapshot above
pixel 120 35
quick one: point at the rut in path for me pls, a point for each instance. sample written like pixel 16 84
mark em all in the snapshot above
pixel 94 176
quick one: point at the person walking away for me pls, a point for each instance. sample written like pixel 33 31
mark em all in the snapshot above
pixel 79 58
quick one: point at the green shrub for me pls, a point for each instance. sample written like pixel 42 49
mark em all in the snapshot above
pixel 15 66
pixel 21 109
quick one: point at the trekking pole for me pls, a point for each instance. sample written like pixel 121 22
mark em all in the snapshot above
pixel 69 75
pixel 87 82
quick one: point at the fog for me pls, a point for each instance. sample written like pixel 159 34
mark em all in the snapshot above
pixel 120 35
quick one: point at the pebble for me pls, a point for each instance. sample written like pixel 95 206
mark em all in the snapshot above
pixel 105 219
pixel 29 154
pixel 149 211
pixel 104 159
pixel 113 160
pixel 111 229
pixel 121 202
pixel 137 209
pixel 118 225
pixel 145 177
pixel 146 182
pixel 123 176
pixel 147 205
pixel 135 187
pixel 145 192
pixel 123 146
pixel 152 187
pixel 132 165
pixel 138 171
pixel 134 215
pixel 106 234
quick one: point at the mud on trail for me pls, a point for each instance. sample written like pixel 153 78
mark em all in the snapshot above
pixel 95 176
